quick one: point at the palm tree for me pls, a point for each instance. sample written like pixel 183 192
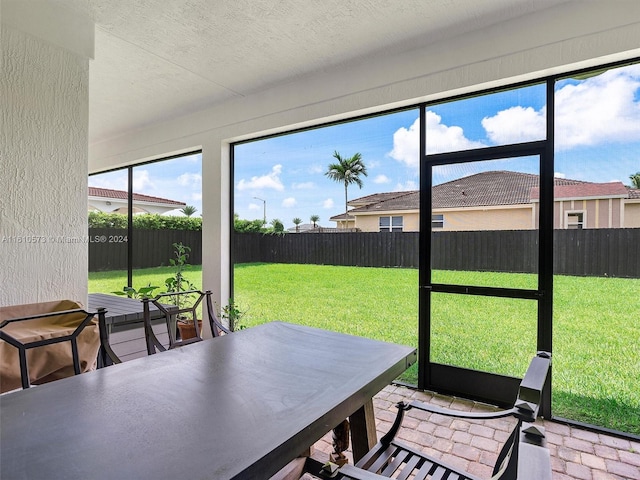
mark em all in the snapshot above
pixel 297 222
pixel 277 225
pixel 189 210
pixel 347 171
pixel 635 180
pixel 314 219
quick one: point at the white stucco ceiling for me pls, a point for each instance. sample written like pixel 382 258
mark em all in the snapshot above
pixel 157 59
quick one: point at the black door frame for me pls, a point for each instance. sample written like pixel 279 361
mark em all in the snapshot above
pixel 485 386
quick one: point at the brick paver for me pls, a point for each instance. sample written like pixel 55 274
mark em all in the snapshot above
pixel 473 445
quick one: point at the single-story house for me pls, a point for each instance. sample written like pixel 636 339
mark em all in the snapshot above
pixel 497 200
pixel 115 201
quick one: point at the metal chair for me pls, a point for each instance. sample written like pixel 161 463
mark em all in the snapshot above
pixel 523 456
pixel 43 332
pixel 185 304
pixel 106 355
pixel 217 328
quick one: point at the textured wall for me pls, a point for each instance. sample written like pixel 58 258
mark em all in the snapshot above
pixel 43 179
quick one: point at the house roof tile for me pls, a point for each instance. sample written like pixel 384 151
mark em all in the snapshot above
pixel 634 193
pixel 123 195
pixel 492 188
pixel 586 190
pixel 342 216
pixel 374 198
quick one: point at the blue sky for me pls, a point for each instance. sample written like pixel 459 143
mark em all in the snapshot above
pixel 597 139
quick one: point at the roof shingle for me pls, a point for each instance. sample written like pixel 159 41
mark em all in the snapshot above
pixel 123 195
pixel 492 188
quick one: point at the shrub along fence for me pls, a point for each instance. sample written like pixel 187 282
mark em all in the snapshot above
pixel 593 252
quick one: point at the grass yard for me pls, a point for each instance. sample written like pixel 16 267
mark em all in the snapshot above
pixel 596 373
pixel 116 280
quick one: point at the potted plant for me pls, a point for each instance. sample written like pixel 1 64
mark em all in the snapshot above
pixel 142 292
pixel 233 314
pixel 178 284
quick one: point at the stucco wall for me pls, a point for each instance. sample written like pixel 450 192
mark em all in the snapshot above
pixel 43 150
pixel 488 219
pixel 632 214
pixel 599 213
pixel 371 223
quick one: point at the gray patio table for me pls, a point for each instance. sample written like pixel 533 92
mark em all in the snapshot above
pixel 124 313
pixel 121 310
pixel 239 406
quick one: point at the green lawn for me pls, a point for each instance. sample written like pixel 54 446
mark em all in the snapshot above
pixel 596 324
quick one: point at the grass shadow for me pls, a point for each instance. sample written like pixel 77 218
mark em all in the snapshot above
pixel 602 412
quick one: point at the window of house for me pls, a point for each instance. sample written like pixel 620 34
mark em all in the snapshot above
pixel 437 221
pixel 391 224
pixel 574 220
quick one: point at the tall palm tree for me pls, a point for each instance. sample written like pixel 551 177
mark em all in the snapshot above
pixel 297 221
pixel 635 180
pixel 314 219
pixel 347 171
pixel 189 210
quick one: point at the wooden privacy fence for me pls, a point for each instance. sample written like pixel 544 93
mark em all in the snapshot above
pixel 594 252
pixel 597 252
pixel 151 248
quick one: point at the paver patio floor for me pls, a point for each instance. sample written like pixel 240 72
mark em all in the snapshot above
pixel 473 445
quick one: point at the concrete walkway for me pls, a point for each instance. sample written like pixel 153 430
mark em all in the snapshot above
pixel 474 445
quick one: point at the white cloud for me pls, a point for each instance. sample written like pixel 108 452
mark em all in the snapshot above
pixel 190 179
pixel 303 186
pixel 601 109
pixel 328 203
pixel 515 125
pixel 254 206
pixel 440 138
pixel 316 169
pixel 141 181
pixel 270 180
pixel 559 175
pixel 289 202
pixel 381 179
pixel 406 145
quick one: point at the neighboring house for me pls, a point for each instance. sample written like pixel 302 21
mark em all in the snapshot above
pixel 116 201
pixel 344 221
pixel 497 200
pixel 303 227
pixel 310 228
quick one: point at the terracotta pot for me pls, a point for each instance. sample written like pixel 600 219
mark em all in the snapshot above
pixel 188 330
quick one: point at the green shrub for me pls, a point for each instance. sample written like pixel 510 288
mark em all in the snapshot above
pixel 144 221
pixel 107 220
pixel 240 225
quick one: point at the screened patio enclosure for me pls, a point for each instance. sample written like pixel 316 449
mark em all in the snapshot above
pixel 92 87
pixel 500 237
